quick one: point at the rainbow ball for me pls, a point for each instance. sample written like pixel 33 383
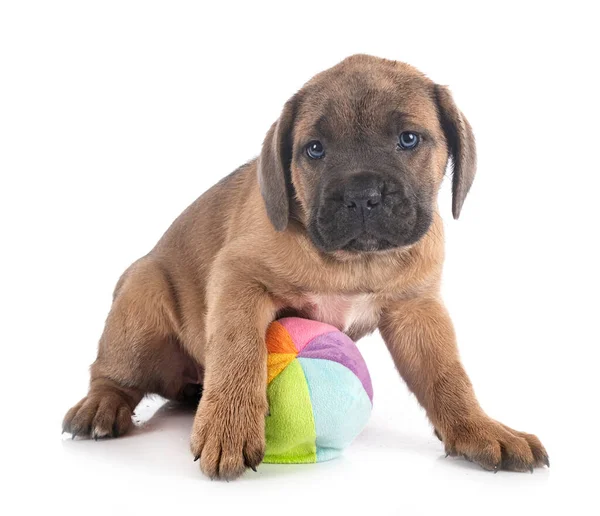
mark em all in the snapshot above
pixel 319 391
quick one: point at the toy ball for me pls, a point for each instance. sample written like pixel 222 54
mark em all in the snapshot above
pixel 319 391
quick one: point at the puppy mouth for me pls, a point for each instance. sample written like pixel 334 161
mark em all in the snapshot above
pixel 368 243
pixel 361 240
pixel 370 236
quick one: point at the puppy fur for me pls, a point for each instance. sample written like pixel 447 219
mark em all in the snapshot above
pixel 282 236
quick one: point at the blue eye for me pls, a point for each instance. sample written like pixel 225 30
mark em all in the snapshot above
pixel 408 140
pixel 315 150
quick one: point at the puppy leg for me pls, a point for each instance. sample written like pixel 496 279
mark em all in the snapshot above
pixel 420 337
pixel 137 354
pixel 105 412
pixel 229 429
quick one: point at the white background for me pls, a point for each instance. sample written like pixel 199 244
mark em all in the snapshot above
pixel 114 116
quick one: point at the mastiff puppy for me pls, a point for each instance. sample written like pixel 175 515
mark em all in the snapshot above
pixel 336 220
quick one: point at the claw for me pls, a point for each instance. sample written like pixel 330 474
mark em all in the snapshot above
pixel 95 437
pixel 447 455
pixel 531 469
pixel 253 468
pixel 496 468
pixel 73 435
pixel 196 458
pixel 547 461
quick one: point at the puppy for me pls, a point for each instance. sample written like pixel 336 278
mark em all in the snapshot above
pixel 337 221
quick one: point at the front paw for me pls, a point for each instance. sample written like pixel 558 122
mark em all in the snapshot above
pixel 494 446
pixel 228 435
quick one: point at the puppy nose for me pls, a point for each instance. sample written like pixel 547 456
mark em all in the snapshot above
pixel 366 199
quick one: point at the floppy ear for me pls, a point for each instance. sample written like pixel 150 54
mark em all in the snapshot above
pixel 461 145
pixel 274 175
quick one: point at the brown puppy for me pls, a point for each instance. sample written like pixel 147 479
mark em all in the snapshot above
pixel 337 220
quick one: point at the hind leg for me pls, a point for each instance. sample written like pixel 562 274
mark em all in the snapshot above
pixel 105 412
pixel 138 353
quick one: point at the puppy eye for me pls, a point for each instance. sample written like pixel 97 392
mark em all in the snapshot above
pixel 315 150
pixel 408 140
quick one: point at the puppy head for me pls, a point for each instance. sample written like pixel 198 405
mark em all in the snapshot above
pixel 359 153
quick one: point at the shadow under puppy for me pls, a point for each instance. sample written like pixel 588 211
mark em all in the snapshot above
pixel 337 221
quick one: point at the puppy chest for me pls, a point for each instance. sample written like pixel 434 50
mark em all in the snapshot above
pixel 342 311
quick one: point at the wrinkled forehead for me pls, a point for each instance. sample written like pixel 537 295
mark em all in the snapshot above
pixel 362 103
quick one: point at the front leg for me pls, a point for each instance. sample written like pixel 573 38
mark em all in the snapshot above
pixel 420 337
pixel 228 435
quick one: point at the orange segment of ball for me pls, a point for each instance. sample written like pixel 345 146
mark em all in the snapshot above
pixel 281 350
pixel 279 340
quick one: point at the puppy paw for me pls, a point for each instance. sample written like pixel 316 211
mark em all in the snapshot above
pixel 98 415
pixel 495 446
pixel 228 436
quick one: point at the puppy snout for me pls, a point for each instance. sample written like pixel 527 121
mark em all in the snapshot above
pixel 367 211
pixel 363 200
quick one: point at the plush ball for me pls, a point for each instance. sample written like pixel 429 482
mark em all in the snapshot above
pixel 319 391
